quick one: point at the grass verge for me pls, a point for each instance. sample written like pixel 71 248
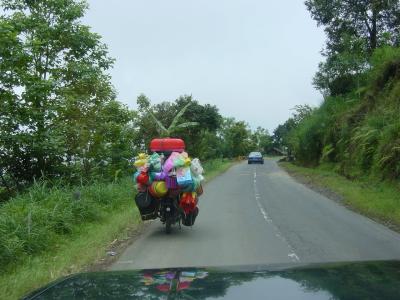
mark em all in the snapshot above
pixel 66 252
pixel 377 200
pixel 74 255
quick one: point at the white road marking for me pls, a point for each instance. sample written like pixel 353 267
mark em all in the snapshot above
pixel 292 255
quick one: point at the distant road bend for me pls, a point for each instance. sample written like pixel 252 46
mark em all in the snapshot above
pixel 257 214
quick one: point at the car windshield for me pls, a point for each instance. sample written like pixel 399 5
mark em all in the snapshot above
pixel 255 154
pixel 138 135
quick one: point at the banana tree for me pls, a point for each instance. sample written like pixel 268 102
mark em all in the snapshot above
pixel 166 132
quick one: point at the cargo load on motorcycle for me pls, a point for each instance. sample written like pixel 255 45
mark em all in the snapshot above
pixel 169 183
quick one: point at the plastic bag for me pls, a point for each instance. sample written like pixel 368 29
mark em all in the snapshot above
pixel 196 182
pixel 159 175
pixel 179 161
pixel 155 162
pixel 135 175
pixel 196 167
pixel 143 178
pixel 188 202
pixel 184 177
pixel 143 169
pixel 188 162
pixel 141 160
pixel 189 218
pixel 169 163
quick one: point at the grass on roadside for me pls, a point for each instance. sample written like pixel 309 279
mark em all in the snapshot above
pixel 47 234
pixel 43 217
pixel 74 255
pixel 378 200
pixel 50 232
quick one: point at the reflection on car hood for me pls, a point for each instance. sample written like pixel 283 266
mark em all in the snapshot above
pixel 362 280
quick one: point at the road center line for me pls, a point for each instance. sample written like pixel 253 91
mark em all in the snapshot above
pixel 292 255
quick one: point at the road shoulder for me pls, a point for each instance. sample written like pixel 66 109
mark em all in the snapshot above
pixel 376 201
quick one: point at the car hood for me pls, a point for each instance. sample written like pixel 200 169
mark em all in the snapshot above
pixel 360 280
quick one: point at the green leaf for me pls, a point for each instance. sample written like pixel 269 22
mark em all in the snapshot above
pixel 186 125
pixel 178 116
pixel 160 125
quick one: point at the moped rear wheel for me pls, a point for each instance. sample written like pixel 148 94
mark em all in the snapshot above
pixel 168 226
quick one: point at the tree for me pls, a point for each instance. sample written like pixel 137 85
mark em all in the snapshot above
pixel 236 137
pixel 262 140
pixel 174 126
pixel 53 69
pixel 342 71
pixel 196 138
pixel 354 30
pixel 376 21
pixel 281 133
pixel 301 112
pixel 99 141
pixel 205 116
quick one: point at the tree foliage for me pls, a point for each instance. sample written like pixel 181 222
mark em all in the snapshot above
pixel 56 97
pixel 166 132
pixel 59 116
pixel 354 30
pixel 213 136
pixel 262 140
pixel 375 21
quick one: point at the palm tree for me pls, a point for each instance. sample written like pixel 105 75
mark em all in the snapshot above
pixel 166 132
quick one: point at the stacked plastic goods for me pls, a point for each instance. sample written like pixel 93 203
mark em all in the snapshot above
pixel 171 175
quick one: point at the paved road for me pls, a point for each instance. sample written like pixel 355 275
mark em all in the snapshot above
pixel 257 214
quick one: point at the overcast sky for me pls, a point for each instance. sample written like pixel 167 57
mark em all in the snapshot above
pixel 253 59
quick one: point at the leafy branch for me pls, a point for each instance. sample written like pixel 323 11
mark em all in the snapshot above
pixel 165 132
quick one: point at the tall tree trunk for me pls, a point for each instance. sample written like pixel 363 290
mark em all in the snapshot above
pixel 373 38
pixel 373 33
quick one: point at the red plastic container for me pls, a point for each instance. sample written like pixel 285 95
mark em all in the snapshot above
pixel 167 145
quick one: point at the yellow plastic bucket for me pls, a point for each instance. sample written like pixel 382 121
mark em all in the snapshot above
pixel 158 189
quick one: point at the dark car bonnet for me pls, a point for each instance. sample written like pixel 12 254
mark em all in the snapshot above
pixel 368 280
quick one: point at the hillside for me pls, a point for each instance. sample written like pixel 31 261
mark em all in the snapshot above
pixel 358 133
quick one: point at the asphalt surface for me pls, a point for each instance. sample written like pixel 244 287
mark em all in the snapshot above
pixel 257 214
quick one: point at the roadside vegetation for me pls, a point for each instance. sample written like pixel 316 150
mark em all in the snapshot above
pixel 355 132
pixel 49 232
